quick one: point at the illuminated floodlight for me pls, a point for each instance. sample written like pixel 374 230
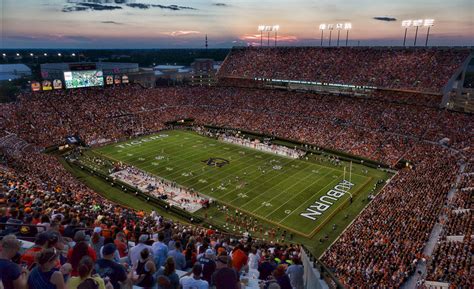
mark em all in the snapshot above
pixel 31 54
pixel 407 23
pixel 331 26
pixel 428 22
pixel 59 54
pixel 347 25
pixel 323 26
pixel 268 29
pixel 339 26
pixel 74 54
pixel 18 54
pixel 418 22
pixel 4 54
pixel 45 54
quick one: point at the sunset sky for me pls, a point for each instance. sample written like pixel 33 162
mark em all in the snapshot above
pixel 183 24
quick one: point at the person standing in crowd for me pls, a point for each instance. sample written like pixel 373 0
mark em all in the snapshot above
pixel 121 243
pixel 85 278
pixel 208 265
pixel 239 258
pixel 225 276
pixel 194 282
pixel 253 259
pixel 296 271
pixel 97 240
pixel 281 277
pixel 107 268
pixel 178 256
pixel 145 269
pixel 29 256
pixel 79 250
pixel 266 268
pixel 12 275
pixel 167 277
pixel 45 275
pixel 160 250
pixel 137 249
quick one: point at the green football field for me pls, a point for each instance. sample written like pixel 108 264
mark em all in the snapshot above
pixel 278 190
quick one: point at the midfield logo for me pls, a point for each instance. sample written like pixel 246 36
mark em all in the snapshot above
pixel 216 162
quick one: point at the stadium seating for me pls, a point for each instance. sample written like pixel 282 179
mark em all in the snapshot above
pixel 395 68
pixel 377 250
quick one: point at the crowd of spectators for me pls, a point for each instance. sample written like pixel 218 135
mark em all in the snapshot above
pixel 379 249
pixel 452 260
pixel 372 129
pixel 368 66
pixel 82 238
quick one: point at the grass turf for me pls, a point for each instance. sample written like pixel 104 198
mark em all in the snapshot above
pixel 272 188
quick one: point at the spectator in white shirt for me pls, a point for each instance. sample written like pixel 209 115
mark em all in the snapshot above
pixel 194 282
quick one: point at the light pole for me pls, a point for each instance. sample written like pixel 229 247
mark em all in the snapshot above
pixel 417 24
pixel 276 28
pixel 330 27
pixel 322 27
pixel 347 26
pixel 428 23
pixel 338 27
pixel 406 24
pixel 261 28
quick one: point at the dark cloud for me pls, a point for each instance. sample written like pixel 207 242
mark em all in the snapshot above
pixel 89 6
pixel 98 5
pixel 169 7
pixel 139 5
pixel 111 22
pixel 221 4
pixel 385 18
pixel 174 7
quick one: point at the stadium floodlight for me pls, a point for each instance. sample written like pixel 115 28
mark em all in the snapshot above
pixel 45 54
pixel 59 54
pixel 18 54
pixel 276 28
pixel 261 28
pixel 339 27
pixel 74 54
pixel 268 29
pixel 4 54
pixel 330 28
pixel 322 27
pixel 417 23
pixel 347 27
pixel 406 24
pixel 31 54
pixel 428 23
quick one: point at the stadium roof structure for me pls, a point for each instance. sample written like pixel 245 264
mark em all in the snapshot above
pixel 13 71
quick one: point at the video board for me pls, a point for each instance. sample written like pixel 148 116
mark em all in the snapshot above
pixel 85 78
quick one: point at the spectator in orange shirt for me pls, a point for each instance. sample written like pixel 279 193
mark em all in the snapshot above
pixel 121 244
pixel 239 258
pixel 41 242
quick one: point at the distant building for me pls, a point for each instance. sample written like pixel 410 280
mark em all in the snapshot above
pixel 13 71
pixel 204 71
pixel 172 73
pixel 146 77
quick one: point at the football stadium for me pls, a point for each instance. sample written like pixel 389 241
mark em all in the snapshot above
pixel 265 165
